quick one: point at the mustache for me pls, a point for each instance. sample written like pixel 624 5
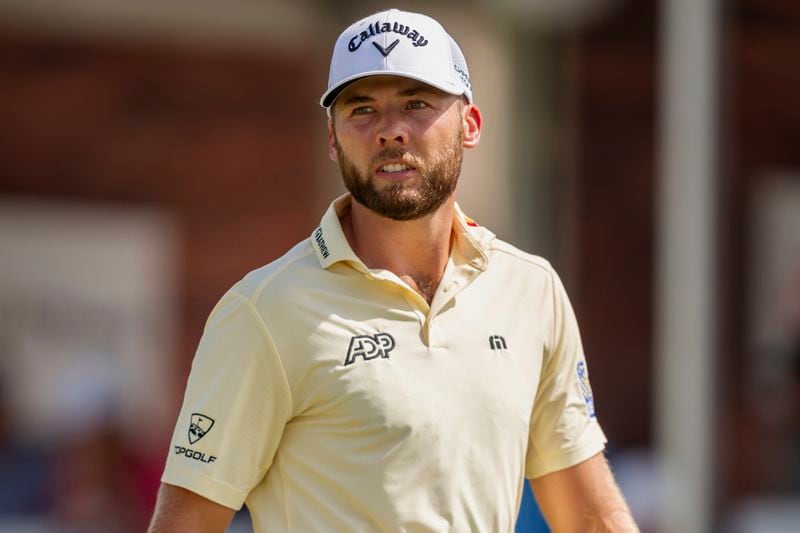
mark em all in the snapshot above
pixel 395 153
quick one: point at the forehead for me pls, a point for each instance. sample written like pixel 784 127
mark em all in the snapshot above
pixel 386 85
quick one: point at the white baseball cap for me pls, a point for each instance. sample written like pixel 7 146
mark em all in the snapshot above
pixel 399 43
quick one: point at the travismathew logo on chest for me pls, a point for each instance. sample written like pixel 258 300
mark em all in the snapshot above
pixel 376 28
pixel 369 347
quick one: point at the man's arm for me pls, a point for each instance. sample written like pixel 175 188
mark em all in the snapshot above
pixel 583 498
pixel 178 509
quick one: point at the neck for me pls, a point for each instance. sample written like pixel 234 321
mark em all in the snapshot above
pixel 415 250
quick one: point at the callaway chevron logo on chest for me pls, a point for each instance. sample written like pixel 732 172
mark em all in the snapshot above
pixel 377 28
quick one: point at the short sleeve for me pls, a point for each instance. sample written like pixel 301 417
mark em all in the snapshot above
pixel 236 405
pixel 564 430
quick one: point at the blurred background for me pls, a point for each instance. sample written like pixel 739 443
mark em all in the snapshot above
pixel 153 152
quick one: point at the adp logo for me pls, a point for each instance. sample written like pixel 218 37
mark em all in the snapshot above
pixel 369 347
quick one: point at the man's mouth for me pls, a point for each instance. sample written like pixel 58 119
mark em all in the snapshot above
pixel 394 167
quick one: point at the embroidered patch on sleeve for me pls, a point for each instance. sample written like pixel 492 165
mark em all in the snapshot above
pixel 586 389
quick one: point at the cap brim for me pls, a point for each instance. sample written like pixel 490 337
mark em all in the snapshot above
pixel 330 96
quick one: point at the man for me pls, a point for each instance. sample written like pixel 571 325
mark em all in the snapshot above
pixel 402 369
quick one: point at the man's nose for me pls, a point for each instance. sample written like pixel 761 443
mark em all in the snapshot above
pixel 393 130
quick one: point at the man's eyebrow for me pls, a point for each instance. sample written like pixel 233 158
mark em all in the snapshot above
pixel 413 91
pixel 357 99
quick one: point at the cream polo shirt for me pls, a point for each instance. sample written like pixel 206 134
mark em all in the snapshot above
pixel 328 396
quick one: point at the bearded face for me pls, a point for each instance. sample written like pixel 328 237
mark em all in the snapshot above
pixel 399 200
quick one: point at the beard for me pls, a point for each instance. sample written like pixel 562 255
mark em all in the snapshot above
pixel 399 201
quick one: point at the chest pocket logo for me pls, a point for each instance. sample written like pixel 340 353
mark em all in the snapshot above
pixel 496 342
pixel 369 347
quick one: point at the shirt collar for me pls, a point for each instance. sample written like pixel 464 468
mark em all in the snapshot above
pixel 471 240
pixel 328 238
pixel 330 244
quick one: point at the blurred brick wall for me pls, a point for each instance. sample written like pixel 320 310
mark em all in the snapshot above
pixel 761 121
pixel 761 117
pixel 614 70
pixel 218 138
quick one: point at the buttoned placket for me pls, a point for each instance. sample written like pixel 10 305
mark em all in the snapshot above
pixel 460 271
pixel 455 278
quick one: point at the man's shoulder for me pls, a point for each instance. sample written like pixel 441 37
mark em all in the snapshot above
pixel 287 270
pixel 519 259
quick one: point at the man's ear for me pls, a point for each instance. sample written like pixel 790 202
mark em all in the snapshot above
pixel 333 152
pixel 473 122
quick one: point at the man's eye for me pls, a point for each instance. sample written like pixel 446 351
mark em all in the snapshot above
pixel 363 110
pixel 416 104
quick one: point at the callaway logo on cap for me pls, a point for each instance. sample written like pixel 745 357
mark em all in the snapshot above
pixel 402 44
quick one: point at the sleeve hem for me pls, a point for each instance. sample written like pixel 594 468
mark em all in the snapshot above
pixel 199 483
pixel 568 458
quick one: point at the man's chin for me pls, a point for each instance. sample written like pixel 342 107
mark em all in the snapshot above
pixel 390 206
